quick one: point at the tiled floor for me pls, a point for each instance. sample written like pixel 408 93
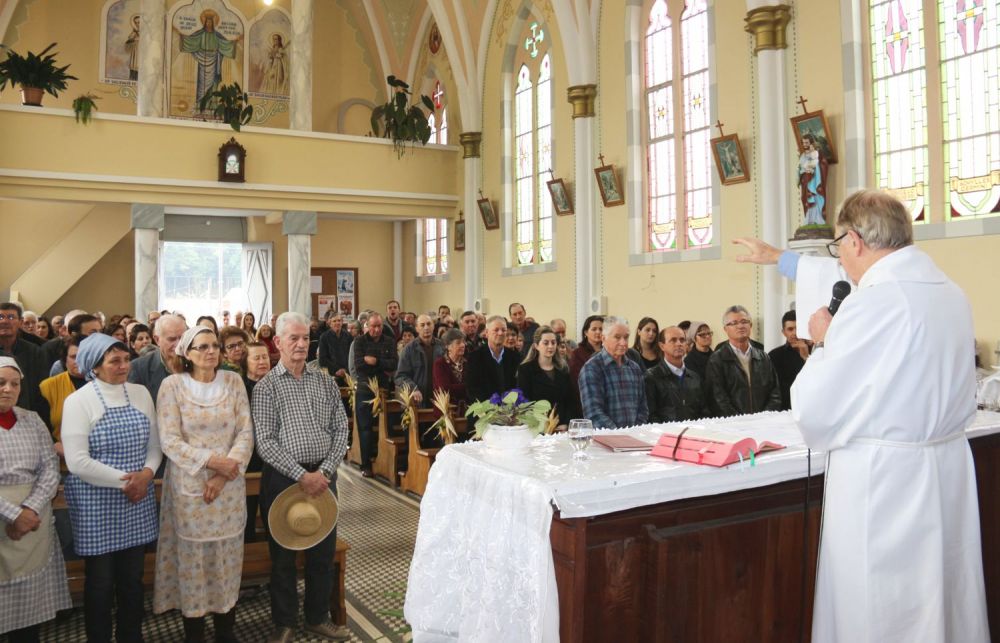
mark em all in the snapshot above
pixel 379 524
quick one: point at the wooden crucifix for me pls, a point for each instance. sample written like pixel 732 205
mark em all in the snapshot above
pixel 802 101
pixel 600 157
pixel 719 124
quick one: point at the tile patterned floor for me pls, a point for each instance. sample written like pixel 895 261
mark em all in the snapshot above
pixel 381 526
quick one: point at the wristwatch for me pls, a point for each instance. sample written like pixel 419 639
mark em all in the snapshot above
pixel 818 345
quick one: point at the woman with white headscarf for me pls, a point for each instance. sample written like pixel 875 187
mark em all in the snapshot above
pixel 32 572
pixel 207 434
pixel 112 451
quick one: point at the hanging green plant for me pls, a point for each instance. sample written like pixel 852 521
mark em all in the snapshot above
pixel 84 107
pixel 35 73
pixel 399 121
pixel 228 103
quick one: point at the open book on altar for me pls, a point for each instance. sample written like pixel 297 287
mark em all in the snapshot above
pixel 709 446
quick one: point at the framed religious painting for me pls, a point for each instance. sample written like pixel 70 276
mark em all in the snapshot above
pixel 729 159
pixel 812 130
pixel 560 197
pixel 460 233
pixel 610 186
pixel 490 219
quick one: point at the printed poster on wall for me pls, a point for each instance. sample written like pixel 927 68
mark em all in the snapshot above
pixel 325 303
pixel 346 295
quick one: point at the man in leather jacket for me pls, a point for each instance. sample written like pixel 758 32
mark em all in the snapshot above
pixel 672 391
pixel 740 376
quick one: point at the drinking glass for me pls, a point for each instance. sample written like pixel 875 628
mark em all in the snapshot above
pixel 581 434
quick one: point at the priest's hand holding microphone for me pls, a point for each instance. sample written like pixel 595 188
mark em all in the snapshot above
pixel 820 320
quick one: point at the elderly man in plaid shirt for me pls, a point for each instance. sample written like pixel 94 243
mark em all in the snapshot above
pixel 301 433
pixel 611 385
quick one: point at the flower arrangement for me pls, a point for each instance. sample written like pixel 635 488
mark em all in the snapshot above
pixel 510 409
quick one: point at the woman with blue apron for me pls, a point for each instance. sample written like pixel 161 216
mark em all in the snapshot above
pixel 112 451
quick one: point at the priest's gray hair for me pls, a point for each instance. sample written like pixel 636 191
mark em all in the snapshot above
pixel 734 309
pixel 496 318
pixel 879 218
pixel 287 318
pixel 611 321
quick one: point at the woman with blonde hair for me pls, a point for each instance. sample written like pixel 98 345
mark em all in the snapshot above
pixel 207 435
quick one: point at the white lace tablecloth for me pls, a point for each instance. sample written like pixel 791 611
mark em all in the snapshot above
pixel 482 566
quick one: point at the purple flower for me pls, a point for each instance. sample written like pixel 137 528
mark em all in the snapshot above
pixel 496 399
pixel 521 398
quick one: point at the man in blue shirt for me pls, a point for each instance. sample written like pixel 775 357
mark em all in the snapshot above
pixel 612 390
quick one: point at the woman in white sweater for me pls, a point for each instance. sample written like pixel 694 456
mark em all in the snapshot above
pixel 112 451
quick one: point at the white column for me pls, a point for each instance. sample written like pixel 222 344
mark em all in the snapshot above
pixel 774 180
pixel 147 221
pixel 473 233
pixel 300 102
pixel 397 260
pixel 151 38
pixel 299 227
pixel 589 296
pixel 854 161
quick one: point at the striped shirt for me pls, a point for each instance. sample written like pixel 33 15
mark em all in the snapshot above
pixel 613 396
pixel 299 421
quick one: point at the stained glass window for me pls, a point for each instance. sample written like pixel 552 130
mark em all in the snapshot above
pixel 438 120
pixel 533 221
pixel 969 41
pixel 435 246
pixel 899 98
pixel 678 218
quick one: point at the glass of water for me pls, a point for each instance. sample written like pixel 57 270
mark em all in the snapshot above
pixel 581 434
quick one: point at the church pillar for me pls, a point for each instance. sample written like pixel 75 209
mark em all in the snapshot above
pixel 300 103
pixel 471 149
pixel 589 298
pixel 397 261
pixel 150 85
pixel 767 25
pixel 147 221
pixel 299 227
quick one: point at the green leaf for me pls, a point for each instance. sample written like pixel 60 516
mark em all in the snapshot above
pixel 428 103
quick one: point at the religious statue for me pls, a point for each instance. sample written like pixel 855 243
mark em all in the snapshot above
pixel 275 77
pixel 132 48
pixel 812 181
pixel 208 48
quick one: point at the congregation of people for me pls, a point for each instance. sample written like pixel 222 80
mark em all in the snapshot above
pixel 99 403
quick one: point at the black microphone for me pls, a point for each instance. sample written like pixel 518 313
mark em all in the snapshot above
pixel 841 290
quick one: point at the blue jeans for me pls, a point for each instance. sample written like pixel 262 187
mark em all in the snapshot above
pixel 318 568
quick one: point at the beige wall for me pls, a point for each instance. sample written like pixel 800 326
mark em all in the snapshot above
pixel 35 226
pixel 364 245
pixel 109 286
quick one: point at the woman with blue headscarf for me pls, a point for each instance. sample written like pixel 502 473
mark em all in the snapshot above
pixel 112 451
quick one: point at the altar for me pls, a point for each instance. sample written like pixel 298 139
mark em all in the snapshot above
pixel 626 546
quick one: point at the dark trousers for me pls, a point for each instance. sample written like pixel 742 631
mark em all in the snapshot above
pixel 318 568
pixel 367 429
pixel 23 635
pixel 250 532
pixel 116 576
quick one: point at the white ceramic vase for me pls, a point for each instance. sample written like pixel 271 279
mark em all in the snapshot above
pixel 508 439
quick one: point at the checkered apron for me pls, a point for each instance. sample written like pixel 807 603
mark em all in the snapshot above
pixel 103 518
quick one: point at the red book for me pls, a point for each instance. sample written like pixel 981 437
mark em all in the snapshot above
pixel 706 446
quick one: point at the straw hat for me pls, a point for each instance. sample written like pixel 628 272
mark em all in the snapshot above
pixel 298 521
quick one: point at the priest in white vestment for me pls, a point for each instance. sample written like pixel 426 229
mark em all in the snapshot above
pixel 888 395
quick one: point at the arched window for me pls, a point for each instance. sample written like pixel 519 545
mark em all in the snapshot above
pixel 533 150
pixel 956 116
pixel 432 247
pixel 678 169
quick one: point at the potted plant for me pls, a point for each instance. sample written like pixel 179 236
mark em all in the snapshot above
pixel 35 73
pixel 400 121
pixel 509 422
pixel 84 107
pixel 228 103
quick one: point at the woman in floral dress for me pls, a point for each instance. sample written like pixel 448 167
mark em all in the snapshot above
pixel 207 434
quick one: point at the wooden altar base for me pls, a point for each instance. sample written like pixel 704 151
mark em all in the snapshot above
pixel 727 567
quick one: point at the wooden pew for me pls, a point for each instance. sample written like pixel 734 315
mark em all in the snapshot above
pixel 392 449
pixel 256 560
pixel 354 451
pixel 419 459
